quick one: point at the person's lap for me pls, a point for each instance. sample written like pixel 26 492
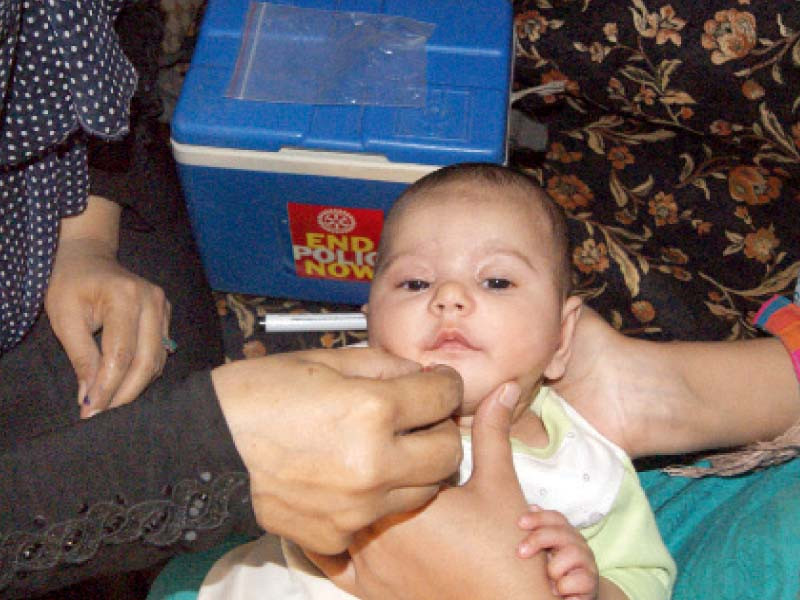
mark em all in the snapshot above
pixel 733 538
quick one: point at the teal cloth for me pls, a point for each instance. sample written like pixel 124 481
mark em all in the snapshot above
pixel 182 577
pixel 734 538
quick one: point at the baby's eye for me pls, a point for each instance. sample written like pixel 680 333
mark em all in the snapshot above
pixel 497 283
pixel 415 285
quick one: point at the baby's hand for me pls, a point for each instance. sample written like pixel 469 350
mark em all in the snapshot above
pixel 570 562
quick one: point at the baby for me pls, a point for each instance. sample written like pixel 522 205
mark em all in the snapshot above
pixel 473 272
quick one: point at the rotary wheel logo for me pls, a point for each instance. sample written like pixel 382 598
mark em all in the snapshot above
pixel 336 220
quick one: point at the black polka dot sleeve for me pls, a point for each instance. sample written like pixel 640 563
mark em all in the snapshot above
pixel 63 77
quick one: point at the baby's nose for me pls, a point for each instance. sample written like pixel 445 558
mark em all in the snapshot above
pixel 450 297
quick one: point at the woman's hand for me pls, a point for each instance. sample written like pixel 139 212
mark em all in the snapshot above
pixel 462 544
pixel 629 389
pixel 675 397
pixel 90 291
pixel 334 440
pixel 610 381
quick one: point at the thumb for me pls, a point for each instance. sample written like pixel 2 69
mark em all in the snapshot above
pixel 491 448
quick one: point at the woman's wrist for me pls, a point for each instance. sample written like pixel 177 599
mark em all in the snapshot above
pixel 99 222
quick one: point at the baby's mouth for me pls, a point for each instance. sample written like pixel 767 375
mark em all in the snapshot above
pixel 451 340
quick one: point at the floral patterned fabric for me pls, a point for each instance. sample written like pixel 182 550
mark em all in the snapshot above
pixel 675 150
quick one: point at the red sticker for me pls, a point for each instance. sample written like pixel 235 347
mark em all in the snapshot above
pixel 334 242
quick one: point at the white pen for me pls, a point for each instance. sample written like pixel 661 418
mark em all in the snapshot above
pixel 351 321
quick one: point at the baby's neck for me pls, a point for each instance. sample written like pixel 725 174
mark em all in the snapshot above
pixel 527 428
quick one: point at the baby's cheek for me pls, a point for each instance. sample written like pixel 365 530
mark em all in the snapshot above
pixel 407 349
pixel 385 336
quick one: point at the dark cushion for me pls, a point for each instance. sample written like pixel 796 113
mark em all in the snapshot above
pixel 675 150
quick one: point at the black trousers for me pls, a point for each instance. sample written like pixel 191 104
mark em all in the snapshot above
pixel 38 387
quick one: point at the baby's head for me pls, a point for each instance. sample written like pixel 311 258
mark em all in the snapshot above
pixel 473 272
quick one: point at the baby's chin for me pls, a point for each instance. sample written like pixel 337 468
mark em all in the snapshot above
pixel 475 390
pixel 474 394
pixel 472 398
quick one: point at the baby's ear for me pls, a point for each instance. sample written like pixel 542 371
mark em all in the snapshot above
pixel 570 313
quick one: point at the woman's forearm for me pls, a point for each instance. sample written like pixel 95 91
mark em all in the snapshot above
pixel 739 392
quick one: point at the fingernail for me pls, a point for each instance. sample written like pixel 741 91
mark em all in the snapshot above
pixel 88 411
pixel 509 396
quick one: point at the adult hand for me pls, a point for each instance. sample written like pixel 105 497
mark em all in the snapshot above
pixel 89 290
pixel 669 398
pixel 606 380
pixel 336 439
pixel 463 544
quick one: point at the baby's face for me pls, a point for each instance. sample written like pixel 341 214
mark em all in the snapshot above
pixel 469 281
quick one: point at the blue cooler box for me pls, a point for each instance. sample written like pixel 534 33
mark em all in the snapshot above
pixel 287 200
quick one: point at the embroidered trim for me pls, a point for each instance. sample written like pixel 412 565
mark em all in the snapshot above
pixel 191 506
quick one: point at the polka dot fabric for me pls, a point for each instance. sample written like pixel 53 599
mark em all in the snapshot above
pixel 63 77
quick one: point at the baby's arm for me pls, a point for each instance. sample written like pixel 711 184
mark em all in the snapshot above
pixel 571 565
